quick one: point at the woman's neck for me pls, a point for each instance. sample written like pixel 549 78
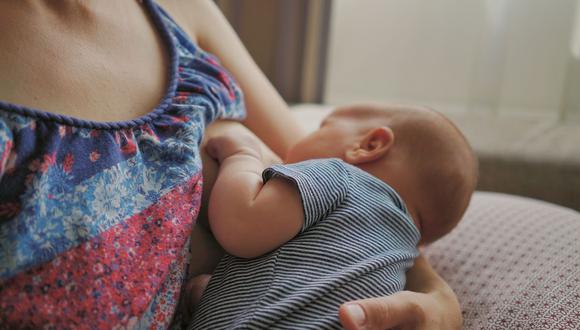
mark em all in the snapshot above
pixel 53 53
pixel 75 14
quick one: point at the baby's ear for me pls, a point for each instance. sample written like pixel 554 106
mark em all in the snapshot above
pixel 373 146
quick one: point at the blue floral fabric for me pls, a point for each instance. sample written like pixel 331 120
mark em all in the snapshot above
pixel 95 217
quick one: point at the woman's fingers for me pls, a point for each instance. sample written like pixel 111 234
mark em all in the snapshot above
pixel 221 147
pixel 399 311
pixel 226 145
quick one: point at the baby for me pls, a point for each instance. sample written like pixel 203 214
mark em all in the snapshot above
pixel 340 221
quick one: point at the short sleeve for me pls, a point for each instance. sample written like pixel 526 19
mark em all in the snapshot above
pixel 6 143
pixel 204 78
pixel 323 185
pixel 224 89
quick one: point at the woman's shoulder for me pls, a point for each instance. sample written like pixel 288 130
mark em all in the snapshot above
pixel 204 23
pixel 185 14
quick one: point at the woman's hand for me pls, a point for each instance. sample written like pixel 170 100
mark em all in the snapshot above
pixel 403 310
pixel 222 127
pixel 432 306
pixel 229 144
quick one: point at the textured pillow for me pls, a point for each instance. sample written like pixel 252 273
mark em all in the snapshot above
pixel 514 263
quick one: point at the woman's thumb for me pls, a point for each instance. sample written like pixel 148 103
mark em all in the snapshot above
pixel 375 313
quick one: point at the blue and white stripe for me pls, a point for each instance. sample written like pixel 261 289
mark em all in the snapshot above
pixel 357 241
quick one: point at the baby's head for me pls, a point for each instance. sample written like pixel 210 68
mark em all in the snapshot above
pixel 417 151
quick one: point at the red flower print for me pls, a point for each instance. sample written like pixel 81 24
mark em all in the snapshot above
pixel 94 156
pixel 4 155
pixel 94 133
pixel 129 147
pixel 223 77
pixel 148 130
pixel 127 143
pixel 180 119
pixel 68 163
pixel 10 164
pixel 98 268
pixel 48 161
pixel 180 99
pixel 211 60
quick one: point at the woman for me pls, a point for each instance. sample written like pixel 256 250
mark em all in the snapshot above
pixel 98 191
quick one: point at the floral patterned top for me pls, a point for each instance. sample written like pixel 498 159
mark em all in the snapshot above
pixel 95 217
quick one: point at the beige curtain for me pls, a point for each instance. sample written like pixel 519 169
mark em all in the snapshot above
pixel 288 40
pixel 489 56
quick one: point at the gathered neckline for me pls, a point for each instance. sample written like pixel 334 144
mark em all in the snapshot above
pixel 161 107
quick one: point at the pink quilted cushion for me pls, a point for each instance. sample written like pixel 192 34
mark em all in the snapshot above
pixel 514 264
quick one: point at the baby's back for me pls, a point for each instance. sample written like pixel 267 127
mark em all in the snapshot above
pixel 357 242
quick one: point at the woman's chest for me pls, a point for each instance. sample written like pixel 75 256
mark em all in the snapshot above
pixel 116 70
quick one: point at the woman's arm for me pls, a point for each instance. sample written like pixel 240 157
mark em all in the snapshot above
pixel 268 114
pixel 430 304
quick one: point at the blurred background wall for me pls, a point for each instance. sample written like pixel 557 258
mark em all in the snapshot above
pixel 491 55
pixel 288 39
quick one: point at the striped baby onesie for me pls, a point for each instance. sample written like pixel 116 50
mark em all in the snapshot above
pixel 357 241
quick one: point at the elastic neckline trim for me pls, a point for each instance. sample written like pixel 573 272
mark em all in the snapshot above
pixel 166 102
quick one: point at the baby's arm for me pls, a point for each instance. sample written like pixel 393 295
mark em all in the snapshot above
pixel 247 217
pixel 205 251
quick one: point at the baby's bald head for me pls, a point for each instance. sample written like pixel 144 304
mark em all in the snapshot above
pixel 445 164
pixel 430 164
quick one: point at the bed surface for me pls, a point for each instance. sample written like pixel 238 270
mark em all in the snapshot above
pixel 514 263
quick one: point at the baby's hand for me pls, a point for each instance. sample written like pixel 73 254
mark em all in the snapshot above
pixel 227 145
